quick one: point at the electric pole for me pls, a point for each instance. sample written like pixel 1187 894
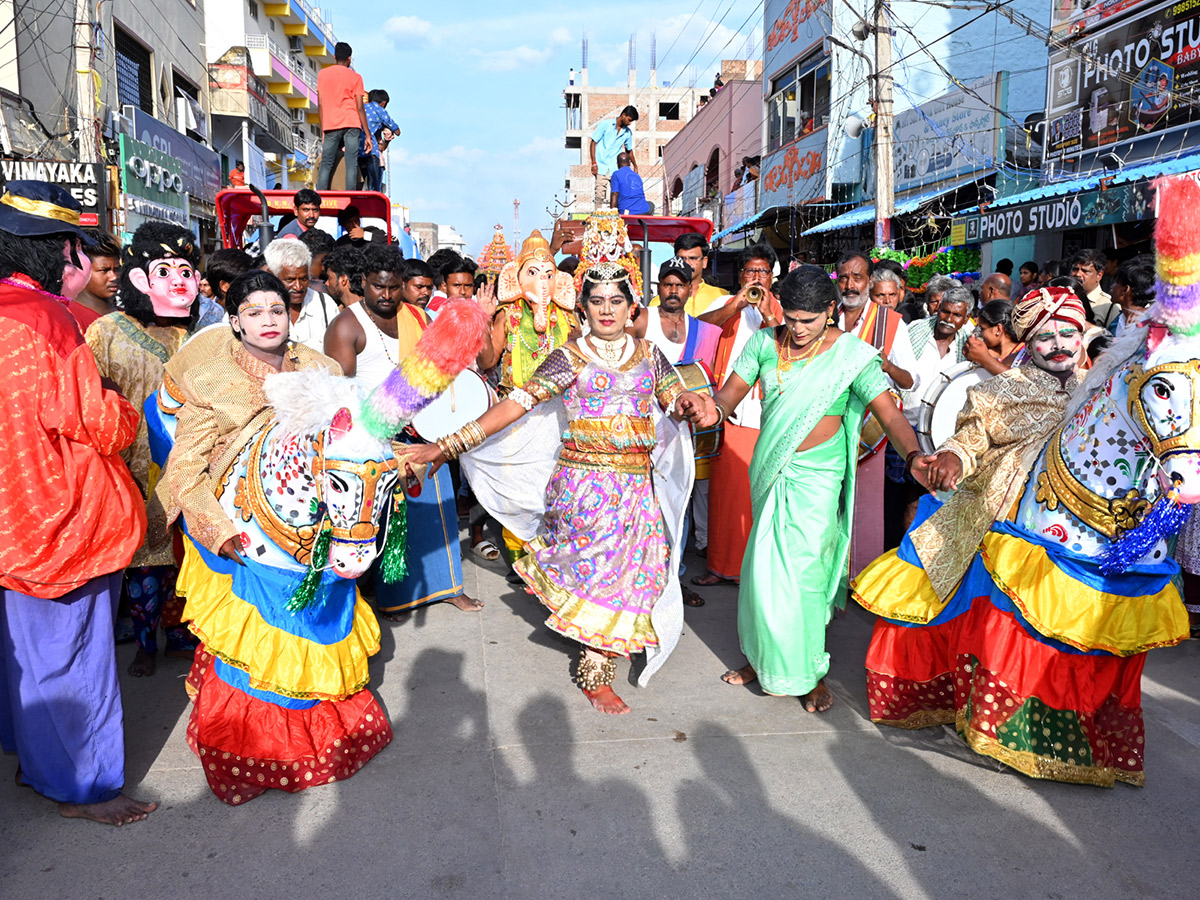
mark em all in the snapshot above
pixel 85 84
pixel 885 183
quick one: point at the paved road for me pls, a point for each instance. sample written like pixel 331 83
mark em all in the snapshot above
pixel 503 783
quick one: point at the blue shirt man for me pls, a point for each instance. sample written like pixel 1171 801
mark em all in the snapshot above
pixel 608 140
pixel 628 194
pixel 369 167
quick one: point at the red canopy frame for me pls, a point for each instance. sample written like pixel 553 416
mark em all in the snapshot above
pixel 235 207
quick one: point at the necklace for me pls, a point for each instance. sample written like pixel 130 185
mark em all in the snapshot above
pixel 384 337
pixel 24 281
pixel 784 358
pixel 609 351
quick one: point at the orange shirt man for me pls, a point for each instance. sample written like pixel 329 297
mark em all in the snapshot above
pixel 343 117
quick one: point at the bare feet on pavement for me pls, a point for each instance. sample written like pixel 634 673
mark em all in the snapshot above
pixel 143 664
pixel 465 603
pixel 744 675
pixel 120 810
pixel 606 700
pixel 818 699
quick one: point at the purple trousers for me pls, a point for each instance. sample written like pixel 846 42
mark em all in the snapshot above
pixel 60 701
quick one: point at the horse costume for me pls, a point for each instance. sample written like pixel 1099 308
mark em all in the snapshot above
pixel 279 683
pixel 1035 649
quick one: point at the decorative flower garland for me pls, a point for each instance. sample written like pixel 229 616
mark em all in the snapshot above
pixel 955 261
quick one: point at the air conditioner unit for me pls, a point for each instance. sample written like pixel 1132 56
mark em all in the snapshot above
pixel 299 115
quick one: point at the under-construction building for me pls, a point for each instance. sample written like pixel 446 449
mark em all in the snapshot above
pixel 662 111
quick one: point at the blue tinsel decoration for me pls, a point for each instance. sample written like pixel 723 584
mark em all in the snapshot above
pixel 1165 518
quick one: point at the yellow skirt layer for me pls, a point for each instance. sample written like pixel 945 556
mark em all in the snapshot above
pixel 234 630
pixel 1067 610
pixel 898 590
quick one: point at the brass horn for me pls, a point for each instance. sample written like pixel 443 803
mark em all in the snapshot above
pixel 754 294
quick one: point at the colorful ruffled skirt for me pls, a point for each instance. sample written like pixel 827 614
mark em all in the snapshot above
pixel 601 561
pixel 279 698
pixel 1036 658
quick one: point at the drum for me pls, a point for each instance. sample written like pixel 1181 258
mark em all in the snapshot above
pixel 943 400
pixel 697 377
pixel 467 398
pixel 871 439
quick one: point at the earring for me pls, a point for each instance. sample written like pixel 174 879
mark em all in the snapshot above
pixel 828 320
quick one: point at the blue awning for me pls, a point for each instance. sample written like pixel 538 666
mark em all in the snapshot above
pixel 1176 166
pixel 865 214
pixel 746 223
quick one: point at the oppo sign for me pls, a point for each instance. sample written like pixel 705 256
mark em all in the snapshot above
pixel 152 175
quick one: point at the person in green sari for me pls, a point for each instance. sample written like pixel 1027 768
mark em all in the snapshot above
pixel 816 383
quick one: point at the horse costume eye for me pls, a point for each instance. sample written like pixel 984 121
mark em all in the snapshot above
pixel 1161 390
pixel 338 484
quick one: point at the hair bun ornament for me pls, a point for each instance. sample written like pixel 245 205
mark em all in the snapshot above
pixel 1177 242
pixel 606 272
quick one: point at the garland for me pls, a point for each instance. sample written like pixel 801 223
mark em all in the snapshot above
pixel 955 261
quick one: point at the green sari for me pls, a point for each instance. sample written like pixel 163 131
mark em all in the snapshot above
pixel 796 565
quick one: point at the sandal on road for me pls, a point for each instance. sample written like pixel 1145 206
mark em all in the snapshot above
pixel 711 580
pixel 486 551
pixel 691 598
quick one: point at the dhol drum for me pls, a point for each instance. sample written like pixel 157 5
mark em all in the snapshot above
pixel 943 400
pixel 696 376
pixel 467 398
pixel 871 439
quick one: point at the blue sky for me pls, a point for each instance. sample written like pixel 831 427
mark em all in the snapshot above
pixel 477 89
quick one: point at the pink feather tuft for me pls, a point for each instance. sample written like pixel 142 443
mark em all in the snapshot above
pixel 1177 233
pixel 455 337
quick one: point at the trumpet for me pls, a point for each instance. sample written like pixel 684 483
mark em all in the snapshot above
pixel 754 294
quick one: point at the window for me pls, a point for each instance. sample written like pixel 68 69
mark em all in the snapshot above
pixel 668 111
pixel 799 101
pixel 253 10
pixel 134 78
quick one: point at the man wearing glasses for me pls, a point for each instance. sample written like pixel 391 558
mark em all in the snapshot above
pixel 1088 267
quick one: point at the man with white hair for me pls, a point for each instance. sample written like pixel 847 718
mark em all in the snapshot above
pixel 310 311
pixel 887 288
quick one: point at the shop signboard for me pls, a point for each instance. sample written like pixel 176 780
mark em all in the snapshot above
pixel 1125 81
pixel 85 181
pixel 1073 17
pixel 199 167
pixel 794 174
pixel 790 27
pixel 152 185
pixel 947 137
pixel 1087 209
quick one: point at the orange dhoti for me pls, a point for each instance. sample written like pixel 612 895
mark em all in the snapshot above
pixel 729 516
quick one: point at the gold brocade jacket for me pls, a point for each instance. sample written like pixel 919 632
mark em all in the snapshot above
pixel 1001 431
pixel 221 388
pixel 133 355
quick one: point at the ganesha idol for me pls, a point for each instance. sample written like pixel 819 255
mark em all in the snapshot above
pixel 538 302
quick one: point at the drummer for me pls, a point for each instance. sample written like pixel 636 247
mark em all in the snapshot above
pixel 369 340
pixel 683 339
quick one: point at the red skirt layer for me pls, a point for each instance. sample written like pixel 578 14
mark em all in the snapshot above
pixel 247 746
pixel 1048 714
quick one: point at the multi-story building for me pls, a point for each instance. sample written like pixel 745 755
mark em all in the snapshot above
pixel 662 111
pixel 701 163
pixel 149 87
pixel 263 60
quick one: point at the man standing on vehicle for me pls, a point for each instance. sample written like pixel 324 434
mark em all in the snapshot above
pixel 343 117
pixel 609 139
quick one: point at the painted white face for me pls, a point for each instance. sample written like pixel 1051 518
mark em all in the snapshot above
pixel 1056 347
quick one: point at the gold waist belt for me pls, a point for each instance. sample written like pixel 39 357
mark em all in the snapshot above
pixel 612 434
pixel 633 463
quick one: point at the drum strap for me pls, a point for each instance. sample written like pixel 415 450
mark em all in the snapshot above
pixel 689 344
pixel 886 323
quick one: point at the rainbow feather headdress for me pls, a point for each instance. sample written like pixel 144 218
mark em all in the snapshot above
pixel 449 345
pixel 1177 244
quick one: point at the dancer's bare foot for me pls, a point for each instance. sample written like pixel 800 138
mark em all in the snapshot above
pixel 120 810
pixel 465 603
pixel 818 699
pixel 606 700
pixel 143 664
pixel 398 615
pixel 744 675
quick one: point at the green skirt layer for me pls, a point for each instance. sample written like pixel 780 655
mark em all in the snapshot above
pixel 796 556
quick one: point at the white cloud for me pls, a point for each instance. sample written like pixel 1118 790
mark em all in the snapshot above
pixel 560 36
pixel 408 31
pixel 543 146
pixel 511 59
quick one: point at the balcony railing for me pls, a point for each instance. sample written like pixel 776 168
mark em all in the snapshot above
pixel 297 64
